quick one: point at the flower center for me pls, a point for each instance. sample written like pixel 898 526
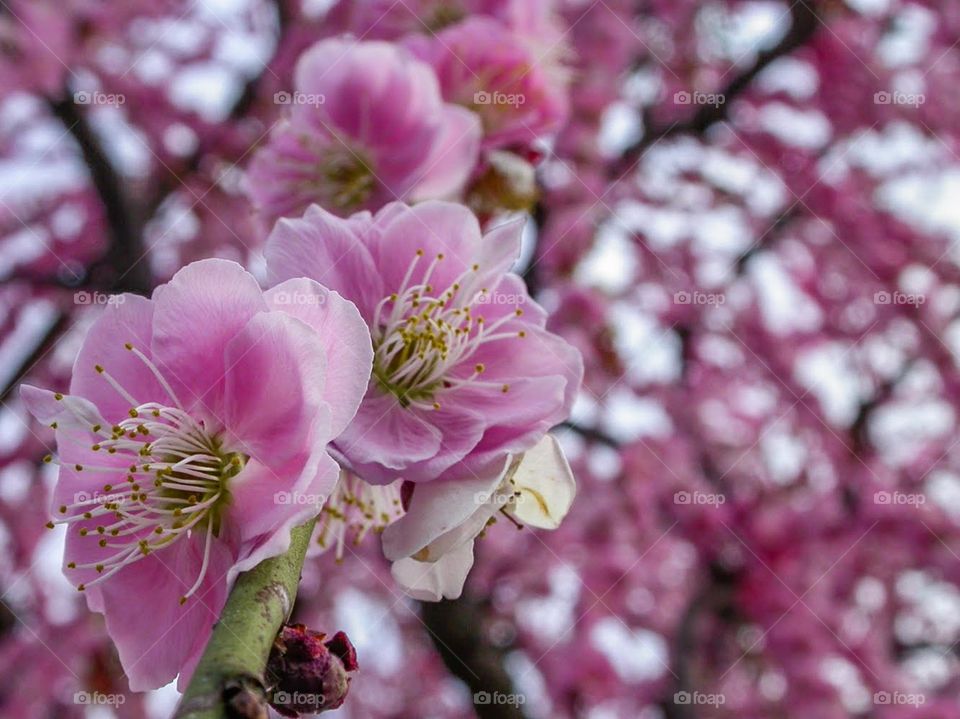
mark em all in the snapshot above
pixel 420 335
pixel 175 485
pixel 348 179
pixel 355 508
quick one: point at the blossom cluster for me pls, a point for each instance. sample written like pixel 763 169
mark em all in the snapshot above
pixel 395 372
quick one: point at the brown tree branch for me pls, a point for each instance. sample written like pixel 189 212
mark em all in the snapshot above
pixel 456 628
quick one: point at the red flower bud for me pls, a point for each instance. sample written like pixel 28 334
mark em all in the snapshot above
pixel 307 674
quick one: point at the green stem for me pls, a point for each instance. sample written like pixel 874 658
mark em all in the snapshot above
pixel 228 682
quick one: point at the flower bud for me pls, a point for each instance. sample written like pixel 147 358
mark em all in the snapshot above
pixel 309 675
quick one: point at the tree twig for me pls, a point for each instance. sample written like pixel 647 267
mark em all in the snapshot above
pixel 229 681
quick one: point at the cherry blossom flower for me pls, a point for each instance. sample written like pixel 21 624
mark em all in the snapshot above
pixel 432 544
pixel 195 422
pixel 367 126
pixel 464 370
pixel 519 93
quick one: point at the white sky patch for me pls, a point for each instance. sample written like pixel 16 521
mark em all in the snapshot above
pixel 552 616
pixel 611 263
pixel 35 320
pixel 162 702
pixel 784 455
pixel 827 372
pixel 530 683
pixel 649 351
pixel 619 127
pixel 926 200
pixel 738 34
pixel 908 40
pixel 636 656
pixel 209 89
pixel 900 429
pixel 870 7
pixel 784 307
pixel 796 78
pixel 370 626
pixel 809 129
pixel 630 417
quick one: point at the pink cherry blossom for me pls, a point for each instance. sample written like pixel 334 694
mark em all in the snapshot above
pixel 464 370
pixel 367 126
pixel 518 93
pixel 195 422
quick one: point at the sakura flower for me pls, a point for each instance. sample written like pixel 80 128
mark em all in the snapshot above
pixel 192 420
pixel 432 544
pixel 367 126
pixel 518 93
pixel 464 370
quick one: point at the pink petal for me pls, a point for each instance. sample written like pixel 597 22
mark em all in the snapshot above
pixel 329 250
pixel 155 635
pixel 346 341
pixel 196 314
pixel 454 155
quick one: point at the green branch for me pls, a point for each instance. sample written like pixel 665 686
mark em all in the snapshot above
pixel 229 682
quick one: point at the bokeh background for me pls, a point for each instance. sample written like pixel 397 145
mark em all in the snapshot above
pixel 748 226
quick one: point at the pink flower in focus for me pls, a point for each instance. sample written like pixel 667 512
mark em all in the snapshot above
pixel 367 126
pixel 432 544
pixel 464 370
pixel 195 421
pixel 486 68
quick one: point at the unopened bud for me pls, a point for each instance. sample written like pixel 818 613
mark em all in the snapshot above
pixel 309 675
